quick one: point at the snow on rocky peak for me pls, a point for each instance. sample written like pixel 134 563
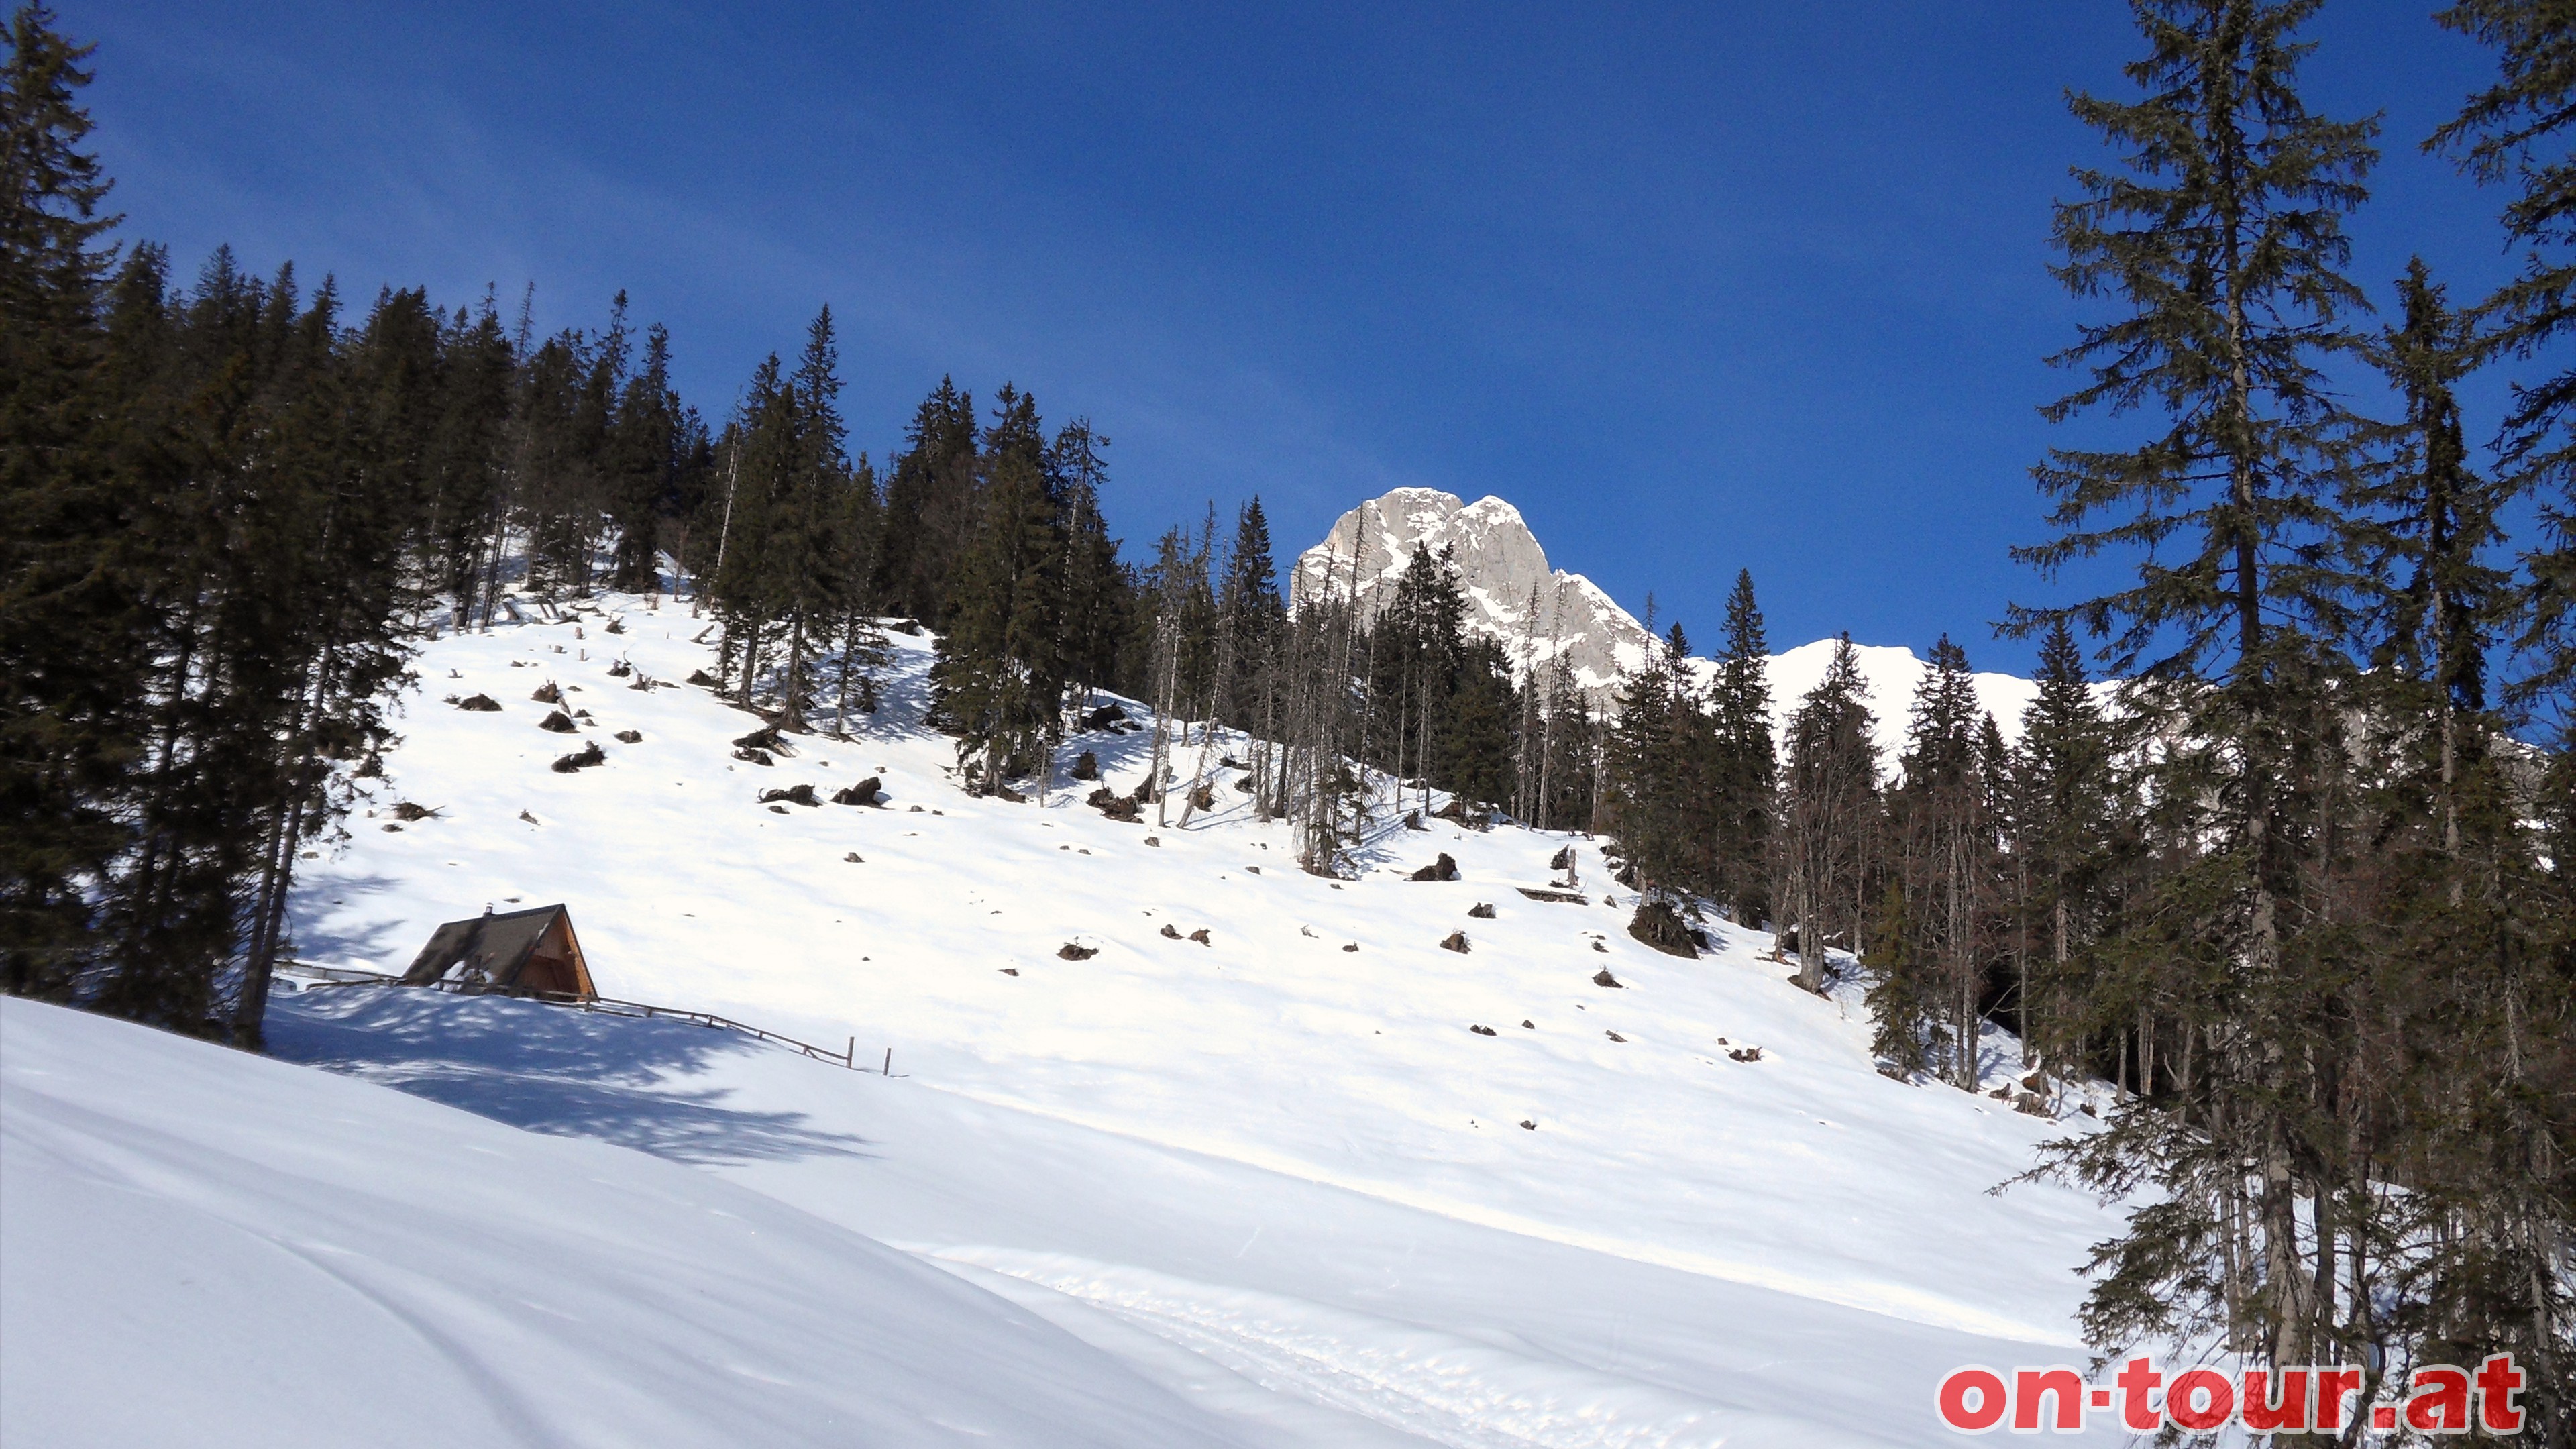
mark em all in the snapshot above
pixel 1504 570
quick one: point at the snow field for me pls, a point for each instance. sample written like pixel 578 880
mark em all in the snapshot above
pixel 208 1248
pixel 1281 1180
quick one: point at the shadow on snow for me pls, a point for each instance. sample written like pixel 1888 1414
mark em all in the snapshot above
pixel 547 1069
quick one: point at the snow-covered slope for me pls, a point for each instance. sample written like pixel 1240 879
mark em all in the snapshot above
pixel 1503 570
pixel 201 1247
pixel 1892 673
pixel 1282 1179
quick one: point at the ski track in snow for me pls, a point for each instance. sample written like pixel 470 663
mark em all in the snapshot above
pixel 1431 1385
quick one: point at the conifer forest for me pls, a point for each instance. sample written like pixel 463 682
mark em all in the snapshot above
pixel 2276 851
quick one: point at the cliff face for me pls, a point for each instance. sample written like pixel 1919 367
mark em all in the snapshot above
pixel 1513 596
pixel 1504 570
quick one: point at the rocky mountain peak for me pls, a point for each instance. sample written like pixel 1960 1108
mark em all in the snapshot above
pixel 1536 612
pixel 1504 573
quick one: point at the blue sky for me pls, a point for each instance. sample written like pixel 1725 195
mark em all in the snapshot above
pixel 1698 288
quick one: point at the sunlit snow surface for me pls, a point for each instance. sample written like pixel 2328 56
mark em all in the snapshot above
pixel 1279 1188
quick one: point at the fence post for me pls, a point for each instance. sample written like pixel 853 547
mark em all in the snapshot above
pixel 889 1065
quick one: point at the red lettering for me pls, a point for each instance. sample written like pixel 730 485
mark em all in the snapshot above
pixel 2439 1402
pixel 2200 1399
pixel 2135 1381
pixel 1989 1389
pixel 2065 1383
pixel 2336 1387
pixel 2288 1411
pixel 2498 1382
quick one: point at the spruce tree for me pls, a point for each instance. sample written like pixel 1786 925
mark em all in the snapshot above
pixel 1829 817
pixel 2511 134
pixel 930 506
pixel 1473 749
pixel 1657 768
pixel 73 650
pixel 998 679
pixel 1095 586
pixel 1931 955
pixel 2218 246
pixel 2062 810
pixel 643 466
pixel 1252 615
pixel 1744 791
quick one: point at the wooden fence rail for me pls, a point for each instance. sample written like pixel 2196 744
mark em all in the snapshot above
pixel 848 1057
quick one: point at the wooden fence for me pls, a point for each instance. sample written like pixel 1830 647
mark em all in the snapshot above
pixel 848 1057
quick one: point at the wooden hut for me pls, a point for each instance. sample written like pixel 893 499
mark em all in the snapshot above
pixel 519 952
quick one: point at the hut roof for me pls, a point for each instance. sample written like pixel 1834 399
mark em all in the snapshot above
pixel 530 950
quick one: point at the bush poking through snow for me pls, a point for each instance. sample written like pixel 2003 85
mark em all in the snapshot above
pixel 1481 911
pixel 630 737
pixel 1086 766
pixel 547 693
pixel 621 669
pixel 863 793
pixel 754 757
pixel 591 754
pixel 1171 932
pixel 705 680
pixel 1459 812
pixel 559 722
pixel 1114 805
pixel 1456 941
pixel 1074 951
pixel 765 738
pixel 793 795
pixel 1201 936
pixel 1746 1054
pixel 1562 860
pixel 1614 1036
pixel 1482 1030
pixel 1442 869
pixel 1658 925
pixel 1603 977
pixel 1529 1124
pixel 853 858
pixel 480 704
pixel 1103 717
pixel 405 810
